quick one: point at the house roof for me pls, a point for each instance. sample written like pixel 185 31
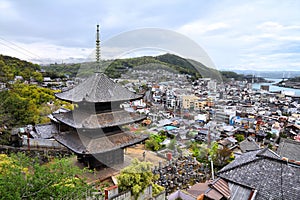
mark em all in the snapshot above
pixel 264 170
pixel 218 189
pixel 239 192
pixel 98 88
pixel 248 145
pixel 198 189
pixel 45 131
pixel 81 144
pixel 82 119
pixel 289 149
pixel 221 189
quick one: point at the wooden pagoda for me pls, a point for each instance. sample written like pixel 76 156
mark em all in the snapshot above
pixel 93 129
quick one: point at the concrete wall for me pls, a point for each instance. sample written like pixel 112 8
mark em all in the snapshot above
pixel 146 194
pixel 122 196
pixel 180 194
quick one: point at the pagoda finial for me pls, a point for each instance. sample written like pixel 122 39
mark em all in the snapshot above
pixel 98 55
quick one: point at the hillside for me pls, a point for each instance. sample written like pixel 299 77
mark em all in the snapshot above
pixel 295 79
pixel 11 67
pixel 115 68
pixel 290 83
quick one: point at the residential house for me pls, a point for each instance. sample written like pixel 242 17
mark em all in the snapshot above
pixel 266 172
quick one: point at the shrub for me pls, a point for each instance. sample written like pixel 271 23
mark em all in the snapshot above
pixel 239 137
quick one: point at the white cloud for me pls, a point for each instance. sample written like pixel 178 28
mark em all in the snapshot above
pixel 200 27
pixel 249 35
pixel 7 11
pixel 234 33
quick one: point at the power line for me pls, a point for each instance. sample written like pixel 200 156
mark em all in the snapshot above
pixel 33 55
pixel 16 49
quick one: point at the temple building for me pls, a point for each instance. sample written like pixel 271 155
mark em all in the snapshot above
pixel 93 130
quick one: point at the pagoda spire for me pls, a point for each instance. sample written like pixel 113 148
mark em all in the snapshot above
pixel 98 55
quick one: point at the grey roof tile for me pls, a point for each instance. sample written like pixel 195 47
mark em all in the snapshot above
pixel 243 159
pixel 80 119
pixel 81 144
pixel 248 145
pixel 98 88
pixel 272 177
pixel 289 149
pixel 238 192
pixel 45 131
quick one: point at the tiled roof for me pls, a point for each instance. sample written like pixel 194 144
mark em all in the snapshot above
pixel 241 160
pixel 198 189
pixel 98 88
pixel 264 171
pixel 45 131
pixel 79 119
pixel 239 192
pixel 267 153
pixel 82 144
pixel 248 145
pixel 222 187
pixel 289 149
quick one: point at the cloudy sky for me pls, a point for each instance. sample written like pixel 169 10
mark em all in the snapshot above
pixel 261 35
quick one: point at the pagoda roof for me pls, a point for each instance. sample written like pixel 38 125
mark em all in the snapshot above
pixel 81 119
pixel 81 144
pixel 98 88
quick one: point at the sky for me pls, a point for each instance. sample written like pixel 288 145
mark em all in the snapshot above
pixel 249 35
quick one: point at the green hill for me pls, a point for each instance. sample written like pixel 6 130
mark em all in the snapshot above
pixel 115 68
pixel 11 67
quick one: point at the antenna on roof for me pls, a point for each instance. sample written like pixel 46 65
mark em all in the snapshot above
pixel 98 55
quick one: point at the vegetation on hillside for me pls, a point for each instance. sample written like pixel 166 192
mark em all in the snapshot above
pixel 230 75
pixel 22 177
pixel 115 68
pixel 27 104
pixel 61 70
pixel 11 67
pixel 173 62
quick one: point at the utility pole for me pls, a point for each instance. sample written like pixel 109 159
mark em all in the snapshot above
pixel 212 168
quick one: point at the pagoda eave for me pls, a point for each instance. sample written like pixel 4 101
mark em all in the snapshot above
pixel 72 101
pixel 81 146
pixel 98 121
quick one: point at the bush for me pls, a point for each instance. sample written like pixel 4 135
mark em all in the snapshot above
pixel 136 177
pixel 239 137
pixel 269 135
pixel 152 144
pixel 156 189
pixel 22 177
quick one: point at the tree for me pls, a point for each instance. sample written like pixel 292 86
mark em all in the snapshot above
pixel 27 104
pixel 136 177
pixel 22 177
pixel 155 140
pixel 37 76
pixel 220 156
pixel 223 157
pixel 6 73
pixel 11 67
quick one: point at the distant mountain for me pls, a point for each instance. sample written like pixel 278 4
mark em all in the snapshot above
pixel 270 74
pixel 11 67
